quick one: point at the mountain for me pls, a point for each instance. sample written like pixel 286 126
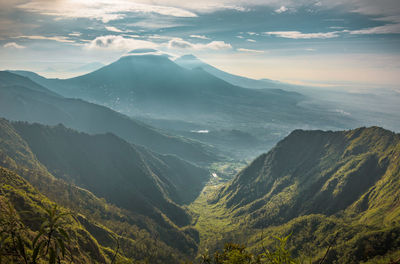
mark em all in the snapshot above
pixel 24 100
pixel 72 171
pixel 319 172
pixel 87 67
pixel 126 175
pixel 340 188
pixel 153 86
pixel 192 62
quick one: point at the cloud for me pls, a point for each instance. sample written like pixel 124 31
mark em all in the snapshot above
pixel 13 45
pixel 179 43
pixel 250 50
pixel 199 36
pixel 299 35
pixel 75 34
pixel 104 10
pixel 251 40
pixel 385 29
pixel 113 42
pixel 54 38
pixel 114 29
pixel 183 44
pixel 282 9
pixel 159 37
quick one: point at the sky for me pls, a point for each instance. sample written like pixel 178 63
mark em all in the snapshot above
pixel 321 43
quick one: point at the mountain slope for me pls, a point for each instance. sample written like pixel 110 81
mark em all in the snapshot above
pixel 30 204
pixel 155 237
pixel 340 188
pixel 315 172
pixel 192 62
pixel 23 100
pixel 124 174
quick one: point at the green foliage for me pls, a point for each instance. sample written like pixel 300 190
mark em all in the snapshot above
pixel 49 244
pixel 280 255
pixel 337 190
pixel 239 254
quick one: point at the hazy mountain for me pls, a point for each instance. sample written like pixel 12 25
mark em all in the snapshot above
pixel 87 67
pixel 318 185
pixel 22 99
pixel 154 86
pixel 192 62
pixel 154 237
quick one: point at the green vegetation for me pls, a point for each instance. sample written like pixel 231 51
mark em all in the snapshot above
pixel 338 189
pixel 336 193
pixel 156 239
pixel 48 244
pixel 239 254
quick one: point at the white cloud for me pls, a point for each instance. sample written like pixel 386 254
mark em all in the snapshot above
pixel 114 29
pixel 240 37
pixel 180 44
pixel 282 9
pixel 299 35
pixel 75 34
pixel 199 36
pixel 183 44
pixel 113 42
pixel 250 50
pixel 54 38
pixel 385 29
pixel 251 40
pixel 159 37
pixel 105 10
pixel 13 45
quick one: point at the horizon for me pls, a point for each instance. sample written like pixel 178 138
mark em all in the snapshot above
pixel 348 44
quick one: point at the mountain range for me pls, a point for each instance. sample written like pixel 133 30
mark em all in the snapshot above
pixel 21 99
pixel 141 192
pixel 178 98
pixel 145 158
pixel 154 86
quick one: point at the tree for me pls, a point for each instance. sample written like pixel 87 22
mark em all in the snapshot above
pixel 49 244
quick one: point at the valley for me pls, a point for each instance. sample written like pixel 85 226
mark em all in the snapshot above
pixel 160 161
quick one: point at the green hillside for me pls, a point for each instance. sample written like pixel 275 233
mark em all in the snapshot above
pixel 145 236
pixel 339 188
pixel 128 176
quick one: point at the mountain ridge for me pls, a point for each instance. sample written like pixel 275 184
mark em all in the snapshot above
pixel 22 103
pixel 327 189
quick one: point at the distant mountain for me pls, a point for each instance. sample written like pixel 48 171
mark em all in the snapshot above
pixel 315 184
pixel 87 67
pixel 24 79
pixel 24 100
pixel 153 86
pixel 192 62
pixel 100 220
